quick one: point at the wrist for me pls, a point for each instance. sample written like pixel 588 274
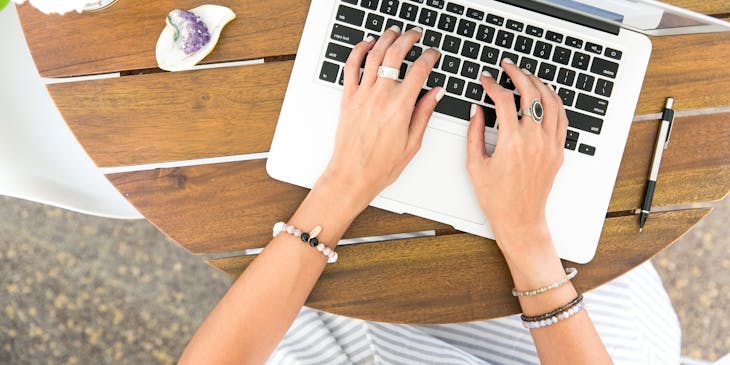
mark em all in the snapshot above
pixel 531 256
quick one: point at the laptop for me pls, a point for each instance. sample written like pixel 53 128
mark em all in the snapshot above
pixel 594 52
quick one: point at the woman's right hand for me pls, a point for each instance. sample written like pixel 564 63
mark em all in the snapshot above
pixel 513 184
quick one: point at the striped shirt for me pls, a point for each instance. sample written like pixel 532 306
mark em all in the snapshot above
pixel 632 314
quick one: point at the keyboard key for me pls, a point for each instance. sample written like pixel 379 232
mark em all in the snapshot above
pixel 452 44
pixel 572 135
pixel 417 1
pixel 470 49
pixel 505 39
pixel 547 71
pixel 604 67
pixel 588 150
pixel 369 4
pixel 506 82
pixel 490 116
pixel 604 87
pixel 529 64
pixel 594 48
pixel 375 22
pixel 591 104
pixel 451 64
pixel 523 44
pixel 534 31
pixel 341 80
pixel 585 82
pixel 495 19
pixel 555 37
pixel 455 86
pixel 466 28
pixel 436 79
pixel 570 144
pixel 338 52
pixel 408 11
pixel 561 55
pixel 515 58
pixel 349 15
pixel 414 53
pixel 574 42
pixel 432 39
pixel 514 25
pixel 474 91
pixel 391 22
pixel 346 34
pixel 428 17
pixel 329 72
pixel 470 70
pixel 454 107
pixel 612 53
pixel 542 50
pixel 439 4
pixel 485 33
pixel 447 22
pixel 389 7
pixel 580 60
pixel 475 14
pixel 354 2
pixel 567 95
pixel 490 55
pixel 584 122
pixel 403 71
pixel 566 76
pixel 455 8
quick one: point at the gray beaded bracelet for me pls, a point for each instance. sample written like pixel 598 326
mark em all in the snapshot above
pixel 571 273
pixel 555 316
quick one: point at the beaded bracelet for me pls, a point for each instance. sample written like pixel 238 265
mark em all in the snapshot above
pixel 571 273
pixel 555 316
pixel 310 238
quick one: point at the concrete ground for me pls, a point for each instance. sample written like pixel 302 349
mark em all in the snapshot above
pixel 76 289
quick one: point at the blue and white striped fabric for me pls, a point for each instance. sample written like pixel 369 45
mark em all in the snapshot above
pixel 633 316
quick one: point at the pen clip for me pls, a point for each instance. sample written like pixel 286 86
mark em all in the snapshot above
pixel 668 116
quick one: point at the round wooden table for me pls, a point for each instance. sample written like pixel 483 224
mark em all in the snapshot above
pixel 131 124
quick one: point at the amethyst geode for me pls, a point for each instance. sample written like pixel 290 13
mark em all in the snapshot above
pixel 191 33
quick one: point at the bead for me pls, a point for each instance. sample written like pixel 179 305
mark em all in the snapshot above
pixel 315 232
pixel 313 242
pixel 542 323
pixel 327 251
pixel 304 237
pixel 320 247
pixel 297 232
pixel 331 254
pixel 555 319
pixel 290 229
pixel 278 227
pixel 334 256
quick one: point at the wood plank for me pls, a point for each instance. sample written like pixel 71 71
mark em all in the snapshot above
pixel 136 119
pixel 203 207
pixel 123 37
pixel 460 277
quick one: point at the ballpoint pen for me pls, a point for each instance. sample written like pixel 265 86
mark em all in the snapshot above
pixel 662 142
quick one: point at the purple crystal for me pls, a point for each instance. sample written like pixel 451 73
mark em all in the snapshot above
pixel 191 33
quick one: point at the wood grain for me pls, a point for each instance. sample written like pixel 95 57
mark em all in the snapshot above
pixel 231 206
pixel 171 116
pixel 460 277
pixel 123 37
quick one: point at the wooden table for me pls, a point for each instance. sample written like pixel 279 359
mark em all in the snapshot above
pixel 216 210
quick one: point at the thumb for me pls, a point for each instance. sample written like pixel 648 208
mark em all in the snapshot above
pixel 475 149
pixel 421 115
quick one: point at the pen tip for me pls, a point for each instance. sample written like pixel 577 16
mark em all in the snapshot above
pixel 640 229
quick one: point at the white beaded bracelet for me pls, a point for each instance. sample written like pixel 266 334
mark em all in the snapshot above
pixel 571 273
pixel 309 238
pixel 556 318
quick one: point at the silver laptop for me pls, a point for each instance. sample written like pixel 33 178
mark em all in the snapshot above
pixel 592 51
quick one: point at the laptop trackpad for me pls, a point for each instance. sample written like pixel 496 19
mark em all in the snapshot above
pixel 437 180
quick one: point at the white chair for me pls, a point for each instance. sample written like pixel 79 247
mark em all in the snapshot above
pixel 40 160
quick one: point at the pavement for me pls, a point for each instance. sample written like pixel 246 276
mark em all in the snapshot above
pixel 78 289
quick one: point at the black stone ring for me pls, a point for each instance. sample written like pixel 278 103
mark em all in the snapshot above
pixel 535 111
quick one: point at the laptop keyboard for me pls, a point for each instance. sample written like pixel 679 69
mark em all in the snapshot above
pixel 472 40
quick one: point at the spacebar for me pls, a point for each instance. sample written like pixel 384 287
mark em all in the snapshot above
pixel 454 107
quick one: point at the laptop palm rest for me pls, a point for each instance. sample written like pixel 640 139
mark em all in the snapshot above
pixel 436 179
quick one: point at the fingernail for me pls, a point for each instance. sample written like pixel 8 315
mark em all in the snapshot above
pixel 440 94
pixel 528 73
pixel 473 111
pixel 369 39
pixel 417 29
pixel 395 28
pixel 486 75
pixel 508 61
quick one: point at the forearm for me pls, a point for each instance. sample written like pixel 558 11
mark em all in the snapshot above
pixel 255 313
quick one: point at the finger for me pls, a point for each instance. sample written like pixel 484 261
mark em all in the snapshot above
pixel 352 66
pixel 475 149
pixel 421 115
pixel 397 51
pixel 521 80
pixel 504 103
pixel 376 55
pixel 550 102
pixel 419 72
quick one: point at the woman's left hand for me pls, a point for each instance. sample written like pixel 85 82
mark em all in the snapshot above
pixel 380 130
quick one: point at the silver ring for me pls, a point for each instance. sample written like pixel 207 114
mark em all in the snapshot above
pixel 535 111
pixel 388 73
